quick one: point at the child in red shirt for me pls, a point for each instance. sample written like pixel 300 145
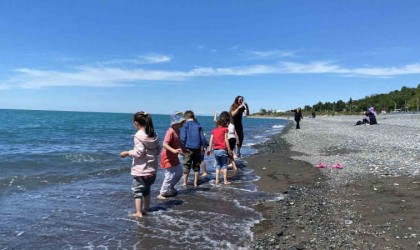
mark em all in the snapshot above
pixel 169 157
pixel 219 144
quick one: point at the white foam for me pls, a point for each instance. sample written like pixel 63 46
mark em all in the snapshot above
pixel 278 126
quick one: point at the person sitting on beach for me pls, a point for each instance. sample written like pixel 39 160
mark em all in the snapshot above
pixel 298 116
pixel 144 165
pixel 219 145
pixel 169 160
pixel 193 139
pixel 371 114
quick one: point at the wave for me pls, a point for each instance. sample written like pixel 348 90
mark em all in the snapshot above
pixel 24 182
pixel 278 126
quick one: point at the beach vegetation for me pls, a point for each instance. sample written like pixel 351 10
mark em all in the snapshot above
pixel 406 99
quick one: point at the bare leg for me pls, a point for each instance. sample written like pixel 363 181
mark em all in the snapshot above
pixel 225 177
pixel 146 204
pixel 238 151
pixel 217 177
pixel 138 203
pixel 186 178
pixel 204 167
pixel 234 165
pixel 196 175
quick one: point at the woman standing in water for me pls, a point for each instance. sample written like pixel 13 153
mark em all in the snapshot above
pixel 237 109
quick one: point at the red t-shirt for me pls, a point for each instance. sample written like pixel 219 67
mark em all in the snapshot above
pixel 167 158
pixel 219 134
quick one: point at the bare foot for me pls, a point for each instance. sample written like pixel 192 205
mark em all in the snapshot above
pixel 185 184
pixel 195 184
pixel 226 183
pixel 138 215
pixel 160 197
pixel 204 174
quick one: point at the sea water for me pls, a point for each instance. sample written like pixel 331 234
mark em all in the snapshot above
pixel 64 186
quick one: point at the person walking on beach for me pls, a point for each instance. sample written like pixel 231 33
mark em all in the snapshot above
pixel 298 116
pixel 237 109
pixel 193 139
pixel 169 160
pixel 219 145
pixel 144 165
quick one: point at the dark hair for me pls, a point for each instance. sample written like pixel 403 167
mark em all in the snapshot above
pixel 145 120
pixel 189 114
pixel 224 119
pixel 235 103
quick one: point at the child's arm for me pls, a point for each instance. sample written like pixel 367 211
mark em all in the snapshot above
pixel 136 152
pixel 173 150
pixel 227 144
pixel 210 145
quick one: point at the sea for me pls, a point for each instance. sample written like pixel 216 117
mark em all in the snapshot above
pixel 64 186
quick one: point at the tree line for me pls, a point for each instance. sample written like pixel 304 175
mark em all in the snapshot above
pixel 406 99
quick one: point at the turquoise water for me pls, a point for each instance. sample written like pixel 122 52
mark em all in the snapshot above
pixel 63 185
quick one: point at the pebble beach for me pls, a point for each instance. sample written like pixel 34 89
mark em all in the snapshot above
pixel 372 203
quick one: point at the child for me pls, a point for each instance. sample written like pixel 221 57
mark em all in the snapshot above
pixel 232 138
pixel 221 146
pixel 144 166
pixel 193 140
pixel 169 157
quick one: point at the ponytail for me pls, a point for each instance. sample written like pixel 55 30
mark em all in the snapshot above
pixel 145 120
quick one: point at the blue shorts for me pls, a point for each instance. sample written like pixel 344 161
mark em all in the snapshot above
pixel 222 159
pixel 141 185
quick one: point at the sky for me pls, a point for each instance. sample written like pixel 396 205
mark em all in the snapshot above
pixel 164 56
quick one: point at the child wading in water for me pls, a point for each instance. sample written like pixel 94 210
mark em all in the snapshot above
pixel 193 139
pixel 144 166
pixel 169 158
pixel 220 144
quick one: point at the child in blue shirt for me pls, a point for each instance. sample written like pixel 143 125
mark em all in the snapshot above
pixel 193 139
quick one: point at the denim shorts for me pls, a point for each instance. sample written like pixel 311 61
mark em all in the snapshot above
pixel 221 157
pixel 141 185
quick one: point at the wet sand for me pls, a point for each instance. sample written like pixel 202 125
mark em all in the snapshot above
pixel 323 209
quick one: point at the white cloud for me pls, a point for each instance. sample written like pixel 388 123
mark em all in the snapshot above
pixel 114 76
pixel 144 59
pixel 272 53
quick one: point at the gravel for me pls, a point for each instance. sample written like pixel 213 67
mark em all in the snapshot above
pixel 391 148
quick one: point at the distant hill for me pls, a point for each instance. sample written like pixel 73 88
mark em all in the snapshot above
pixel 406 99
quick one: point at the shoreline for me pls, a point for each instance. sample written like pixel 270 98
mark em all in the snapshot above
pixel 364 206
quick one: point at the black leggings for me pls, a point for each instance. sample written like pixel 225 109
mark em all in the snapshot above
pixel 240 133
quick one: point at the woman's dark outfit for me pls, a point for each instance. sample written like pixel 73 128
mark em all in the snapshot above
pixel 237 121
pixel 298 117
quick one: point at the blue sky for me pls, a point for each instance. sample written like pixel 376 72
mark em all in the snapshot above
pixel 162 56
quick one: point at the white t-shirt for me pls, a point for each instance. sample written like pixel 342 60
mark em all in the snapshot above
pixel 231 131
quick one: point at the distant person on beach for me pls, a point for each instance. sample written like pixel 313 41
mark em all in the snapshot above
pixel 169 160
pixel 144 165
pixel 219 146
pixel 313 114
pixel 371 114
pixel 369 119
pixel 193 139
pixel 298 116
pixel 237 109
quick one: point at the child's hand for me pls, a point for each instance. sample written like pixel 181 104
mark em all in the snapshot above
pixel 209 152
pixel 179 151
pixel 124 154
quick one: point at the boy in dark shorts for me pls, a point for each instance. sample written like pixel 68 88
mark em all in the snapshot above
pixel 193 139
